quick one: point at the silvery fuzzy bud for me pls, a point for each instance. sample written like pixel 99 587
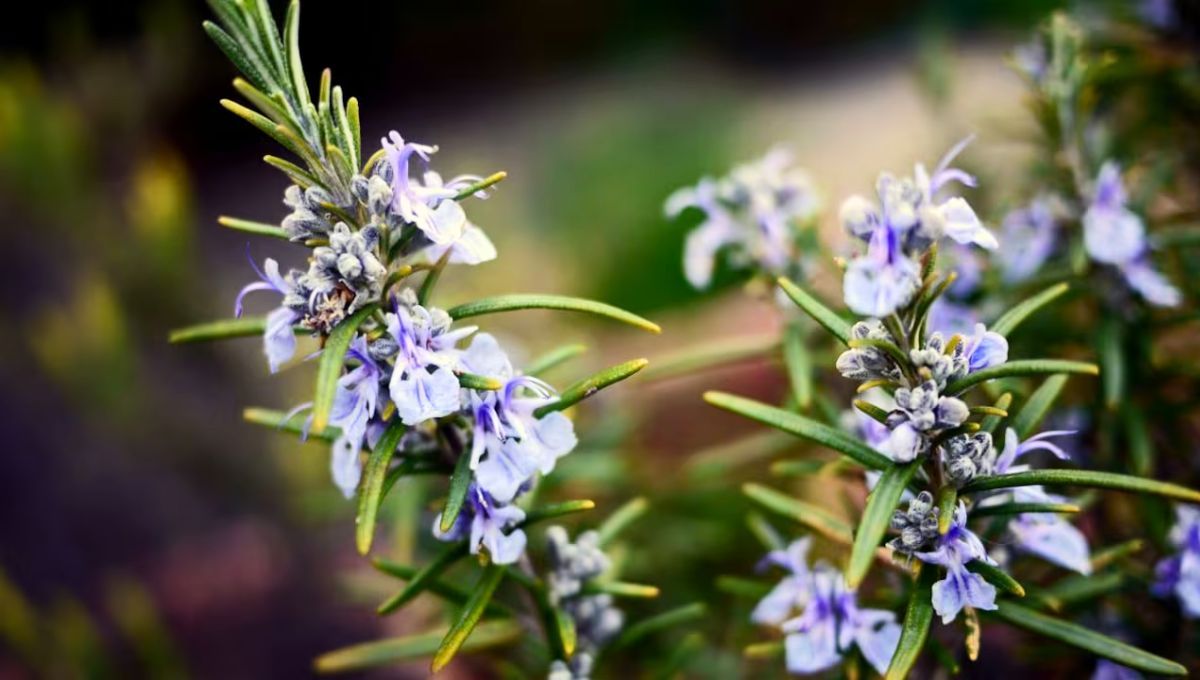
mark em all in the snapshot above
pixel 918 526
pixel 960 470
pixel 379 196
pixel 349 266
pixel 852 364
pixel 859 217
pixel 911 537
pixel 921 504
pixel 382 348
pixel 952 412
pixel 316 198
pixel 919 404
pixel 899 519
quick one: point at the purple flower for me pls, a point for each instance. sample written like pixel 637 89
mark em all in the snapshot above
pixel 954 550
pixel 487 525
pixel 1108 670
pixel 718 230
pixel 793 591
pixel 1150 284
pixel 1014 448
pixel 423 384
pixel 953 218
pixel 832 622
pixel 279 341
pixel 985 348
pixel 1112 233
pixel 354 403
pixel 883 280
pixel 949 317
pixel 1179 574
pixel 1029 235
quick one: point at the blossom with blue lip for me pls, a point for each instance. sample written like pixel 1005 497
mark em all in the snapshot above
pixel 883 280
pixel 510 443
pixel 354 403
pixel 1150 283
pixel 961 588
pixel 1112 233
pixel 279 341
pixel 793 591
pixel 1046 535
pixel 487 524
pixel 832 623
pixel 1179 574
pixel 423 384
pixel 984 349
pixel 952 218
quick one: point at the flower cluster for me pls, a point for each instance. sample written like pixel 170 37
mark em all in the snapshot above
pixel 908 218
pixel 597 621
pixel 820 616
pixel 755 213
pixel 1179 574
pixel 405 361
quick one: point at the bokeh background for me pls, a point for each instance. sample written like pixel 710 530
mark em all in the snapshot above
pixel 146 531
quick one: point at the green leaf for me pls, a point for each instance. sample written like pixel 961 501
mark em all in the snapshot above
pixel 997 577
pixel 472 189
pixel 668 619
pixel 460 481
pixel 268 127
pixel 1104 557
pixel 554 358
pixel 618 521
pixel 250 67
pixel 764 532
pixel 585 388
pixel 742 587
pixel 801 426
pixel 915 629
pixel 817 310
pixel 990 423
pixel 620 589
pixel 333 357
pixel 710 355
pixel 297 174
pixel 508 303
pixel 1112 359
pixel 450 593
pixel 245 327
pixel 564 627
pixel 555 510
pixel 876 518
pixel 479 382
pixel 1037 406
pixel 394 650
pixel 876 413
pixel 1096 643
pixel 469 618
pixel 251 227
pixel 1020 368
pixel 374 473
pixel 293 423
pixel 1078 588
pixel 947 500
pixel 814 517
pixel 799 365
pixel 1005 509
pixel 291 30
pixel 1089 478
pixel 1009 321
pixel 429 573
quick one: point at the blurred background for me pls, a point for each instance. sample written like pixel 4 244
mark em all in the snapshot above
pixel 146 530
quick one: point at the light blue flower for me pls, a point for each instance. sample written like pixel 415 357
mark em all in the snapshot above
pixel 423 384
pixel 793 591
pixel 1108 670
pixel 961 588
pixel 984 349
pixel 883 280
pixel 1179 574
pixel 1150 284
pixel 832 623
pixel 487 525
pixel 354 403
pixel 426 202
pixel 1029 234
pixel 948 317
pixel 510 443
pixel 953 218
pixel 1112 234
pixel 279 341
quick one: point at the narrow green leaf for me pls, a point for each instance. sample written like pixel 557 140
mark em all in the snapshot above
pixel 431 278
pixel 355 126
pixel 620 589
pixel 817 310
pixel 251 227
pixel 450 593
pixel 245 327
pixel 667 619
pixel 764 532
pixel 291 31
pixel 585 388
pixel 330 368
pixel 917 618
pixel 479 382
pixel 1089 640
pixel 1009 321
pixel 1105 557
pixel 509 303
pixel 947 500
pixel 876 518
pixel 1005 509
pixel 273 46
pixel 618 521
pixel 267 126
pixel 764 650
pixel 1026 421
pixel 990 423
pixel 564 631
pixel 799 365
pixel 472 189
pixel 293 423
pixel 297 174
pixel 429 573
pixel 234 52
pixel 997 577
pixel 460 481
pixel 374 473
pixel 801 427
pixel 554 358
pixel 1178 236
pixel 555 510
pixel 1089 478
pixel 394 650
pixel 1141 446
pixel 876 413
pixel 1112 360
pixel 1078 588
pixel 470 616
pixel 742 587
pixel 814 517
pixel 1023 367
